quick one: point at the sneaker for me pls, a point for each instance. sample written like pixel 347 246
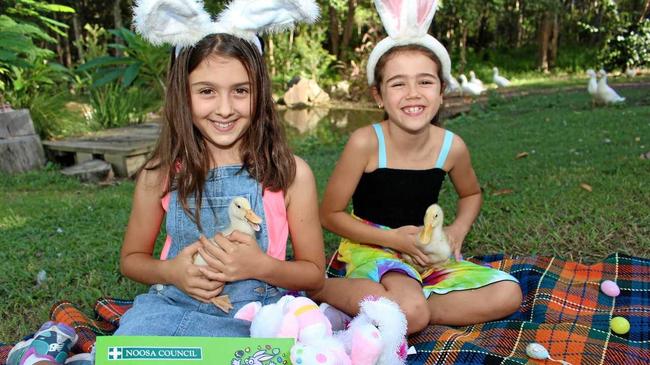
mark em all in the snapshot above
pixel 51 342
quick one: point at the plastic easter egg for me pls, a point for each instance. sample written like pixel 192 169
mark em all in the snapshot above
pixel 537 351
pixel 620 325
pixel 610 288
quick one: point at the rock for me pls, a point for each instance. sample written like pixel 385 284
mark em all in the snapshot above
pixel 80 108
pixel 341 90
pixel 305 93
pixel 305 120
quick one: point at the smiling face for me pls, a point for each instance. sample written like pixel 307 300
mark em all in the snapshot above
pixel 409 89
pixel 220 93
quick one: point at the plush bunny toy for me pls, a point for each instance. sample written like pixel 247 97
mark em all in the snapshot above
pixel 375 337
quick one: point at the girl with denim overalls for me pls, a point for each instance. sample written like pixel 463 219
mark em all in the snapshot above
pixel 221 138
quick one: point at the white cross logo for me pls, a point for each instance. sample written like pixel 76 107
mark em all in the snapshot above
pixel 114 353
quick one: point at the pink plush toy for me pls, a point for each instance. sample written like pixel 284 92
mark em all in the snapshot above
pixel 375 337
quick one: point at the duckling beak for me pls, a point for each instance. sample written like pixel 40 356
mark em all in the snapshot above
pixel 253 219
pixel 425 235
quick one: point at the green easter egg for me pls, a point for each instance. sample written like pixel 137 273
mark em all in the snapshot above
pixel 620 325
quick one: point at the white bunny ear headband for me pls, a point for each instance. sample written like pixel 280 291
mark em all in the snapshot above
pixel 407 22
pixel 183 23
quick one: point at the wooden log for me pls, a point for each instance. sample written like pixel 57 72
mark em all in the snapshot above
pixel 20 154
pixel 20 146
pixel 16 123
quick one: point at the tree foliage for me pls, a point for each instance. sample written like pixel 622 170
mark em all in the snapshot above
pixel 95 41
pixel 629 47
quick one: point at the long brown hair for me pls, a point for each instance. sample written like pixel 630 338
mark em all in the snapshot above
pixel 381 63
pixel 182 153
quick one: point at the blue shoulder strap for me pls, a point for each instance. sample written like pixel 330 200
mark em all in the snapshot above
pixel 382 146
pixel 444 150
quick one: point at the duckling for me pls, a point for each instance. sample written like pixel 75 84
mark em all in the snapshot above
pixel 604 93
pixel 243 219
pixel 500 81
pixel 432 240
pixel 631 71
pixel 452 85
pixel 475 80
pixel 469 88
pixel 592 86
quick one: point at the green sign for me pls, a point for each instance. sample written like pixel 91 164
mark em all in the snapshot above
pixel 149 350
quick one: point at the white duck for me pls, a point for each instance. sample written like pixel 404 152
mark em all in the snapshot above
pixel 604 93
pixel 468 87
pixel 592 86
pixel 475 80
pixel 432 240
pixel 631 71
pixel 243 219
pixel 500 81
pixel 452 85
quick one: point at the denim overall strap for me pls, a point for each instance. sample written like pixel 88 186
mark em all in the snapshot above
pixel 221 186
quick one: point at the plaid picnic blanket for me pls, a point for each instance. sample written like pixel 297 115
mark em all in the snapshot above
pixel 563 309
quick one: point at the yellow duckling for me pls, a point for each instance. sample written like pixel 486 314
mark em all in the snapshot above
pixel 432 240
pixel 242 219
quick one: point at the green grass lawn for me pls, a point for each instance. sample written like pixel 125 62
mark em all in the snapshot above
pixel 533 205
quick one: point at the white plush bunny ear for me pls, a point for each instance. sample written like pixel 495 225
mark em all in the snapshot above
pixel 183 23
pixel 177 22
pixel 249 311
pixel 246 18
pixel 406 18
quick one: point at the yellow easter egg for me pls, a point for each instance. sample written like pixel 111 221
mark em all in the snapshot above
pixel 620 325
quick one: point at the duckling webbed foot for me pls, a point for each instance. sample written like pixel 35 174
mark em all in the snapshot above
pixel 222 302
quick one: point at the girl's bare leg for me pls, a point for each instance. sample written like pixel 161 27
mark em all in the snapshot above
pixel 467 307
pixel 345 294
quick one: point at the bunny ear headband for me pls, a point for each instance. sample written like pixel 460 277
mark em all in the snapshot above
pixel 407 22
pixel 183 23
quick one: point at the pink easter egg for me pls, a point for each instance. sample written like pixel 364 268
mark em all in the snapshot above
pixel 610 288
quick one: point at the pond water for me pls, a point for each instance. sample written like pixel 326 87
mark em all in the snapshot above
pixel 302 123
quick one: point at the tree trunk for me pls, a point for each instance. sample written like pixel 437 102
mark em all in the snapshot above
pixel 555 35
pixel 117 20
pixel 334 30
pixel 484 34
pixel 597 23
pixel 519 35
pixel 78 41
pixel 544 33
pixel 646 11
pixel 272 56
pixel 463 47
pixel 287 64
pixel 347 29
pixel 59 48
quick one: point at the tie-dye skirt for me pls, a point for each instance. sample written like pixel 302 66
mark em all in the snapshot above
pixel 372 262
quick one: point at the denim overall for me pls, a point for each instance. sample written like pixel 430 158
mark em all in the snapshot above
pixel 166 310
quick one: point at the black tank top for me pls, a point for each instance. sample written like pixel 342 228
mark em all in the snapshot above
pixel 396 197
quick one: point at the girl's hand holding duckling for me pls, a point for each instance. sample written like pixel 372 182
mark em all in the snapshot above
pixel 232 258
pixel 406 242
pixel 190 278
pixel 455 237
